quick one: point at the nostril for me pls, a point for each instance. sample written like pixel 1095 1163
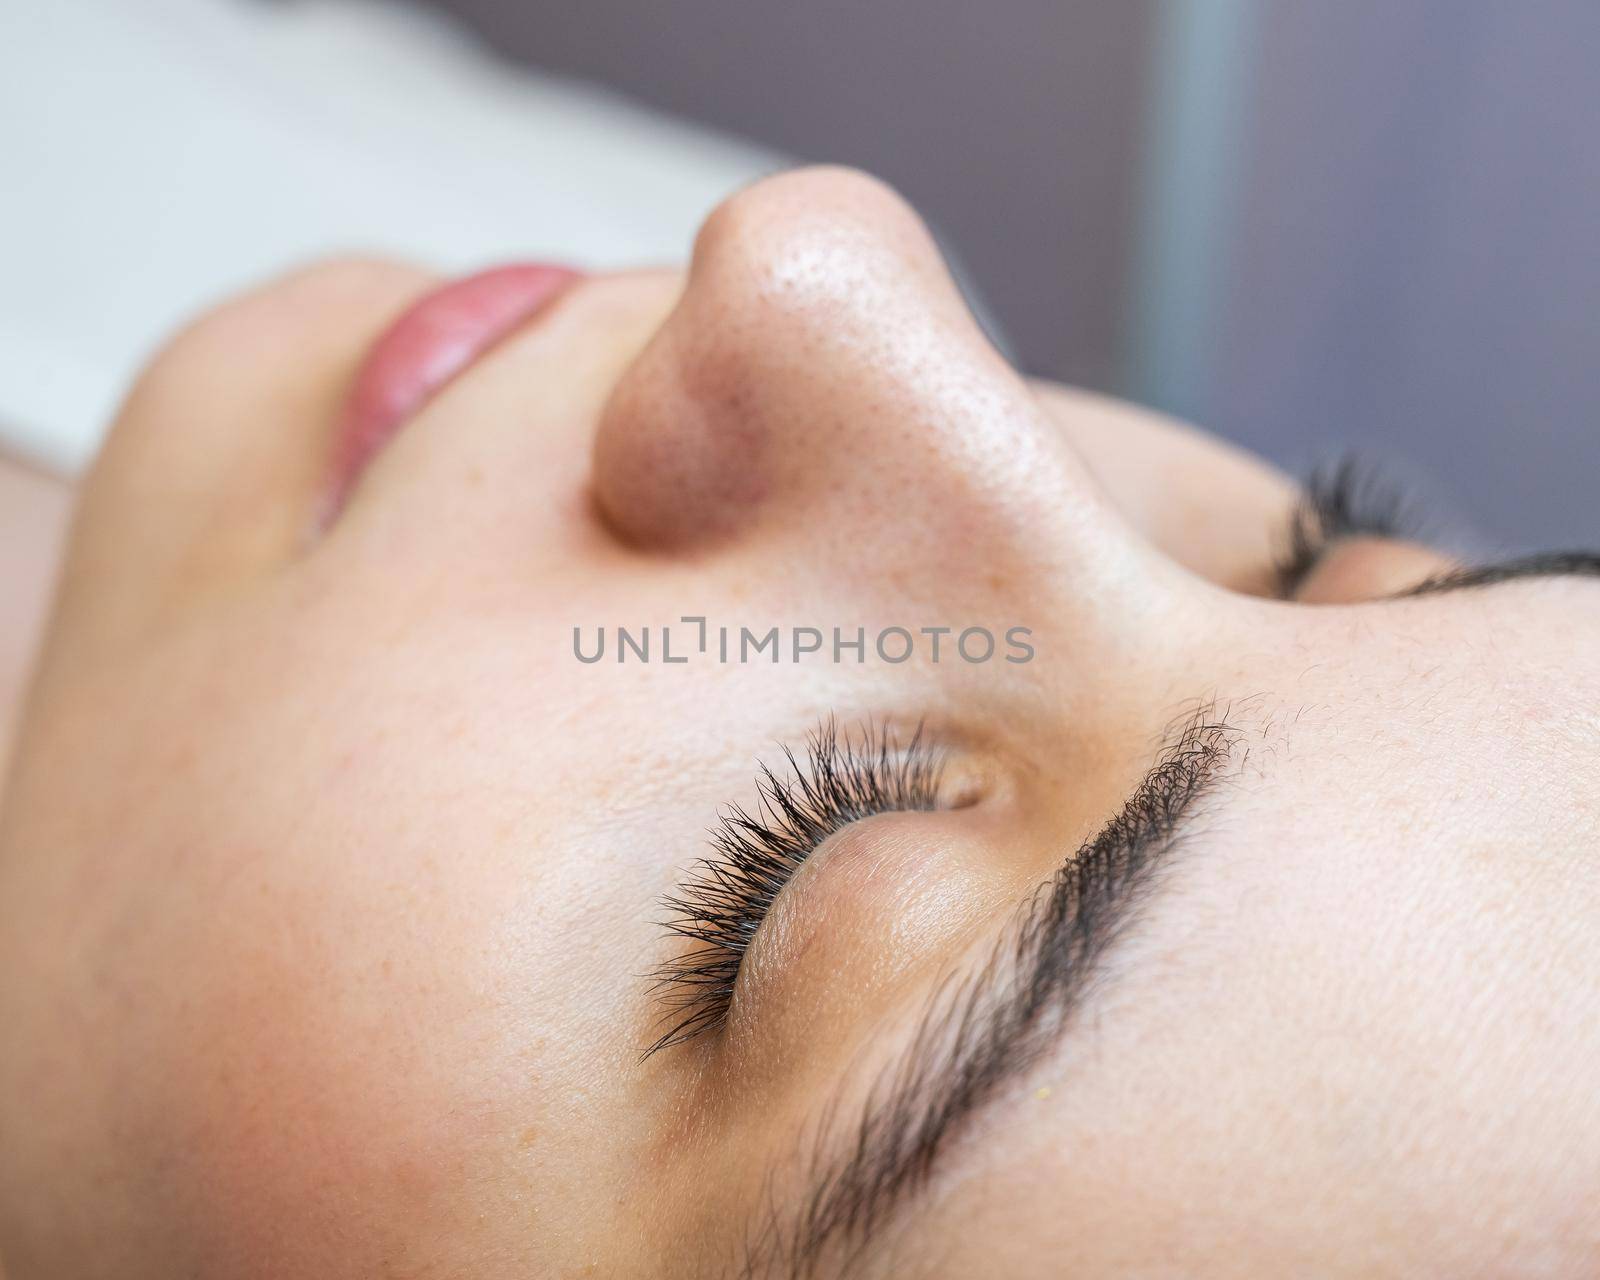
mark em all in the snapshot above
pixel 679 459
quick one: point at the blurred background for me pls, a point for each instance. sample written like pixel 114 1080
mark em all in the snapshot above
pixel 1306 224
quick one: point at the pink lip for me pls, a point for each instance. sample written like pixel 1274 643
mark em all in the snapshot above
pixel 437 338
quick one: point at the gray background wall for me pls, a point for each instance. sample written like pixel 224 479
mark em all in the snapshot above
pixel 1415 261
pixel 1012 124
pixel 1305 223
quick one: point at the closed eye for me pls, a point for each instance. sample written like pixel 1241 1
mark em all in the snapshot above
pixel 1350 499
pixel 843 779
pixel 1354 499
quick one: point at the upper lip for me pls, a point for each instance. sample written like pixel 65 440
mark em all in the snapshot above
pixel 437 338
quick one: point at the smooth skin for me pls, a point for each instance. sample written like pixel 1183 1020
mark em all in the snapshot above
pixel 34 506
pixel 330 881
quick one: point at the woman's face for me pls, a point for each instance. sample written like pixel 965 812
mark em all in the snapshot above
pixel 1202 931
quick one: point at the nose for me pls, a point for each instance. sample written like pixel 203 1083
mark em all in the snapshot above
pixel 822 371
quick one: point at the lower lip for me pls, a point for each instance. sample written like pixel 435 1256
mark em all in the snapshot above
pixel 436 339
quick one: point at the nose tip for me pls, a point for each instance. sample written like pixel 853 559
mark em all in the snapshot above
pixel 805 243
pixel 820 351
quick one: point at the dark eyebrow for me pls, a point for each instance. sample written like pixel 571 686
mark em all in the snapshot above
pixel 984 1030
pixel 1546 564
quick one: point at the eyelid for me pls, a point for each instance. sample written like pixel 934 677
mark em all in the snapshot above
pixel 1351 498
pixel 725 900
pixel 981 1029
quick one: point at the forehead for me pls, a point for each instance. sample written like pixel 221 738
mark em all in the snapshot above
pixel 1442 722
pixel 1518 659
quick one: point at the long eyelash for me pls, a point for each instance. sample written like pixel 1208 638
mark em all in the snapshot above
pixel 1349 498
pixel 753 855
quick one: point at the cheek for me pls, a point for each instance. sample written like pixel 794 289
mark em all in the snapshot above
pixel 289 1107
pixel 285 1029
pixel 320 976
pixel 207 473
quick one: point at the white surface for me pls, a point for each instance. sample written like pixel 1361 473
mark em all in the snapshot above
pixel 155 154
